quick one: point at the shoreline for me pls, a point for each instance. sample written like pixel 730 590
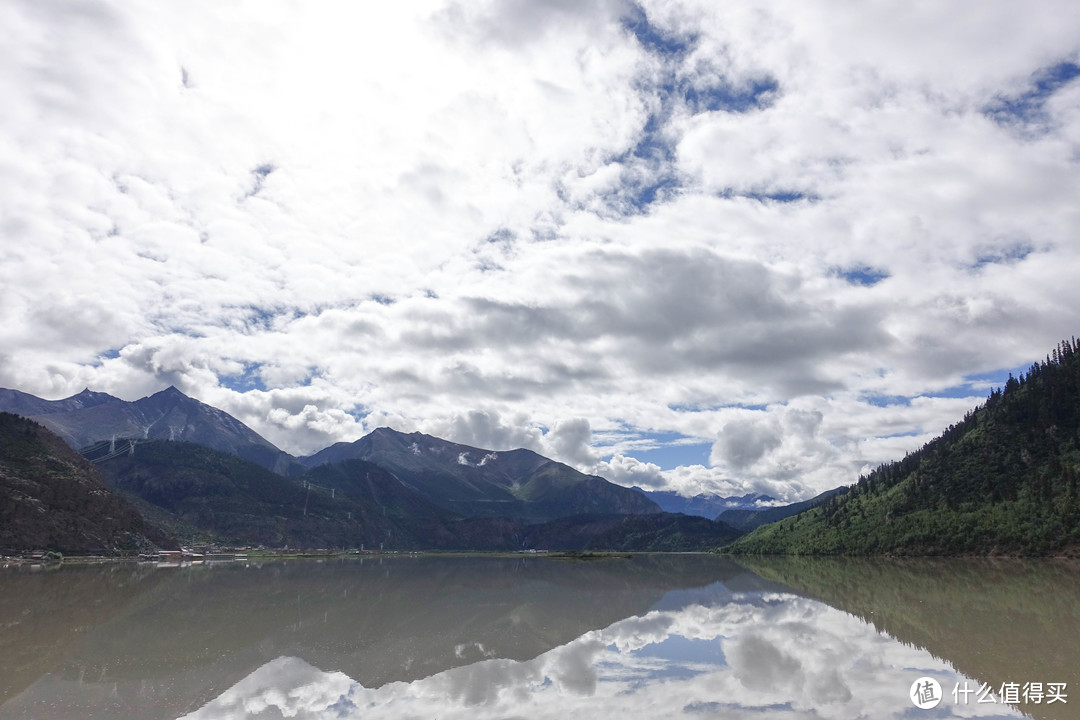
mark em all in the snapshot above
pixel 263 556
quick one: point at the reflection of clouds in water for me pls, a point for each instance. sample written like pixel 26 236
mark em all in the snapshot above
pixel 637 632
pixel 484 683
pixel 567 670
pixel 760 665
pixel 775 656
pixel 285 687
pixel 576 671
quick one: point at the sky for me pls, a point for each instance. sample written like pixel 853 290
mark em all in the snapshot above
pixel 684 245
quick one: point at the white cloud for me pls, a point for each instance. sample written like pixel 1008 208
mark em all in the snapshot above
pixel 744 444
pixel 629 471
pixel 572 441
pixel 487 430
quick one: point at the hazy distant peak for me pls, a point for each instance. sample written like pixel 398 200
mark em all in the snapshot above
pixel 706 504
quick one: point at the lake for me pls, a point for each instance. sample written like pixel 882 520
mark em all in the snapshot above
pixel 653 636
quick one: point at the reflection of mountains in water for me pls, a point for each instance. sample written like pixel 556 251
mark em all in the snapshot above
pixel 43 616
pixel 170 641
pixel 997 621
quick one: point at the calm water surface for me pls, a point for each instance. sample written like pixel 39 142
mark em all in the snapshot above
pixel 649 637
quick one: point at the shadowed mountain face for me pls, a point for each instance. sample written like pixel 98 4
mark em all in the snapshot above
pixel 51 498
pixel 658 532
pixel 484 483
pixel 209 496
pixel 89 417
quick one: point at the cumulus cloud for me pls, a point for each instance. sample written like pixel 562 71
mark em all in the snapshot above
pixel 629 471
pixel 742 444
pixel 690 480
pixel 294 419
pixel 486 429
pixel 571 440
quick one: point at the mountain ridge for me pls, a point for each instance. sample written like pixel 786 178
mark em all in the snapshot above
pixel 1003 480
pixel 89 417
pixel 20 403
pixel 478 482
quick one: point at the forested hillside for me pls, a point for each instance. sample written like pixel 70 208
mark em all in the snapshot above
pixel 52 499
pixel 1003 480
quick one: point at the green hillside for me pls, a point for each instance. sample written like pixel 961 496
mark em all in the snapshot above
pixel 1001 481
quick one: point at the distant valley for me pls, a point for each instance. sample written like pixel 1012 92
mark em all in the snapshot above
pixel 707 504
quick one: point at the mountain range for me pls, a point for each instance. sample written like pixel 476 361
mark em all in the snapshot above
pixel 200 475
pixel 205 496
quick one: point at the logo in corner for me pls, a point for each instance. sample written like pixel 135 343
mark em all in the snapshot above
pixel 925 693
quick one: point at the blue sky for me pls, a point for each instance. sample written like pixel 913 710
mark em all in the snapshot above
pixel 723 248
